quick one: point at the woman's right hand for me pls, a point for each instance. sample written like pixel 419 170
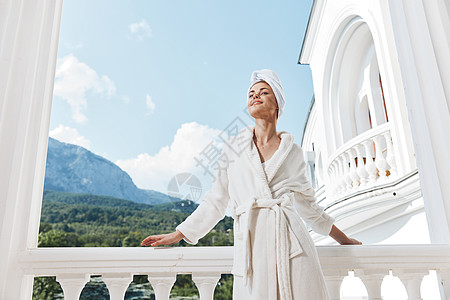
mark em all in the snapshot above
pixel 163 239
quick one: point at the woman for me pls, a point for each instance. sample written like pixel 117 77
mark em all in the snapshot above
pixel 265 186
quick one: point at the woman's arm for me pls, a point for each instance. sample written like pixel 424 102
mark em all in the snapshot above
pixel 342 238
pixel 210 211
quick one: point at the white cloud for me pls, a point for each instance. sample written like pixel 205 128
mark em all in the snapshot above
pixel 73 79
pixel 70 135
pixel 150 104
pixel 155 171
pixel 141 30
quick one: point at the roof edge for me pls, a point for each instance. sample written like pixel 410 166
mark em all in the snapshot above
pixel 310 33
pixel 311 105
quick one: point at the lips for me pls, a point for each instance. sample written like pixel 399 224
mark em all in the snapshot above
pixel 256 102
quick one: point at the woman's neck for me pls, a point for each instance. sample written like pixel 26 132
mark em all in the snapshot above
pixel 264 131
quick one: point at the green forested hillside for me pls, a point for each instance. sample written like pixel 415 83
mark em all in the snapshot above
pixel 83 220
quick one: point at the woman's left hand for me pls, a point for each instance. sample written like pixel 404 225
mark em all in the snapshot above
pixel 342 238
pixel 351 241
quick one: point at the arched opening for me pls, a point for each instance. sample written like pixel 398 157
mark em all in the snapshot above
pixel 356 100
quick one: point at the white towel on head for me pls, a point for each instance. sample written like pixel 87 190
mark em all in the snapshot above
pixel 272 79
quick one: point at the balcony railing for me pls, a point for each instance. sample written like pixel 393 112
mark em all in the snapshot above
pixel 365 161
pixel 73 267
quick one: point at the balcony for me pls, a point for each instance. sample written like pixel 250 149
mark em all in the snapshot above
pixel 73 267
pixel 365 188
pixel 365 161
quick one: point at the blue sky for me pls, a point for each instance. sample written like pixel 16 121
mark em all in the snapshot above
pixel 147 84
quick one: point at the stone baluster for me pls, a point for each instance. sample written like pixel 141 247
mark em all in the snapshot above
pixel 337 177
pixel 341 179
pixel 347 175
pixel 333 174
pixel 370 165
pixel 412 280
pixel 390 155
pixel 206 283
pixel 333 279
pixel 162 284
pixel 380 161
pixel 353 174
pixel 361 168
pixel 372 279
pixel 72 284
pixel 117 284
pixel 332 169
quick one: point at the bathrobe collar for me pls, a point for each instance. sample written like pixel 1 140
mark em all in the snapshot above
pixel 272 166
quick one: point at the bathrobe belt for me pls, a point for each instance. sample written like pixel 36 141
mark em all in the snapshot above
pixel 280 206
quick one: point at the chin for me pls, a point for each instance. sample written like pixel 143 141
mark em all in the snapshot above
pixel 256 115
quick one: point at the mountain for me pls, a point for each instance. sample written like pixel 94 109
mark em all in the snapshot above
pixel 74 169
pixel 183 206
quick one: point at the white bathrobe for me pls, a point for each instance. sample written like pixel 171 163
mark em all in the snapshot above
pixel 274 255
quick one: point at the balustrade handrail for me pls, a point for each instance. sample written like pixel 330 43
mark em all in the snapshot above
pixel 98 260
pixel 136 260
pixel 357 140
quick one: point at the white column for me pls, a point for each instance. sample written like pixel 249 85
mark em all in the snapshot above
pixel 117 284
pixel 162 284
pixel 419 45
pixel 29 32
pixel 72 284
pixel 206 283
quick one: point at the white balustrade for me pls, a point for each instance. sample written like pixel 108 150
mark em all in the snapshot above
pixel 73 267
pixel 364 161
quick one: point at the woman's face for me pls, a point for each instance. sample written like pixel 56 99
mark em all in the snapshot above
pixel 261 101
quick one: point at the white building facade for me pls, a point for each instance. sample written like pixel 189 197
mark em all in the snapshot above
pixel 381 84
pixel 398 125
